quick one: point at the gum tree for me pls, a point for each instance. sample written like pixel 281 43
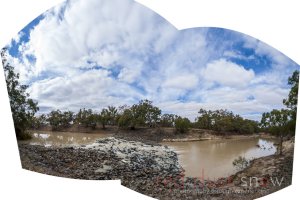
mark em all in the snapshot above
pixel 278 123
pixel 282 122
pixel 23 108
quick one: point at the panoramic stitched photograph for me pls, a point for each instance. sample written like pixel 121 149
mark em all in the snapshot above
pixel 110 90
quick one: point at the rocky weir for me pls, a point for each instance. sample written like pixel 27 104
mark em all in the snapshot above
pixel 140 166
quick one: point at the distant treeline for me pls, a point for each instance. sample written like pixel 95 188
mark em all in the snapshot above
pixel 145 114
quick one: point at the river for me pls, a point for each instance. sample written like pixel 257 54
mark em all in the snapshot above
pixel 212 159
pixel 209 159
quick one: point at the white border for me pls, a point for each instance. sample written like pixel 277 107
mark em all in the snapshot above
pixel 274 22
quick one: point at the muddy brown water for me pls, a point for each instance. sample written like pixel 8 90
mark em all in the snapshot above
pixel 212 159
pixel 51 138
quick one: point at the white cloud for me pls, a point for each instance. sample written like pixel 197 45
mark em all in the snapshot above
pixel 227 73
pixel 131 73
pixel 18 37
pixel 92 89
pixel 102 32
pixel 95 53
pixel 237 55
pixel 262 49
pixel 185 82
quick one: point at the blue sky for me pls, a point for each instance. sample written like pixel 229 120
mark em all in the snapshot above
pixel 95 53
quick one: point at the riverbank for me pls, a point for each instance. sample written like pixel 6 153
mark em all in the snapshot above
pixel 152 169
pixel 159 134
pixel 265 175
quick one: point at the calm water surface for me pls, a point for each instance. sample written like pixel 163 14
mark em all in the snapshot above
pixel 50 138
pixel 213 159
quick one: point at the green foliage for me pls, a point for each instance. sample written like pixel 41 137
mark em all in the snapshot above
pixel 86 118
pixel 182 125
pixel 141 114
pixel 292 100
pixel 22 107
pixel 206 119
pixel 168 120
pixel 25 136
pixel 39 121
pixel 282 122
pixel 278 122
pixel 59 120
pixel 126 119
pixel 241 163
pixel 112 115
pixel 104 117
pixel 145 113
pixel 225 121
pixel 109 116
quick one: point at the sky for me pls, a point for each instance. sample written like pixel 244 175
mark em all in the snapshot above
pixel 96 53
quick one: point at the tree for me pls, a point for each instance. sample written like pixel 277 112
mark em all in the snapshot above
pixel 225 121
pixel 22 107
pixel 292 100
pixel 54 119
pixel 59 120
pixel 67 118
pixel 126 119
pixel 113 113
pixel 104 117
pixel 86 118
pixel 168 120
pixel 282 122
pixel 39 121
pixel 278 123
pixel 144 113
pixel 205 120
pixel 182 125
pixel 141 114
pixel 108 116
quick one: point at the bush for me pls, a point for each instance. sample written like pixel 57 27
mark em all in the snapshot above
pixel 182 125
pixel 126 120
pixel 241 163
pixel 24 136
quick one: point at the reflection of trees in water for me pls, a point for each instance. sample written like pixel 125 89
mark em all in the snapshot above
pixel 63 138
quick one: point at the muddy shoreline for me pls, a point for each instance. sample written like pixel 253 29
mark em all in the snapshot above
pixel 152 169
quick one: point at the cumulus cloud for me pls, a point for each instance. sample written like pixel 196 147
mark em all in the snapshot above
pixel 95 53
pixel 227 73
pixel 93 89
pixel 189 81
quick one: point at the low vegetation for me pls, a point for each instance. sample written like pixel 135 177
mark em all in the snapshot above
pixel 241 163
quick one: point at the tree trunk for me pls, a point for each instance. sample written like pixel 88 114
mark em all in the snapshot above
pixel 280 144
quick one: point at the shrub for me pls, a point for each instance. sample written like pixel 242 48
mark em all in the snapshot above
pixel 241 163
pixel 182 125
